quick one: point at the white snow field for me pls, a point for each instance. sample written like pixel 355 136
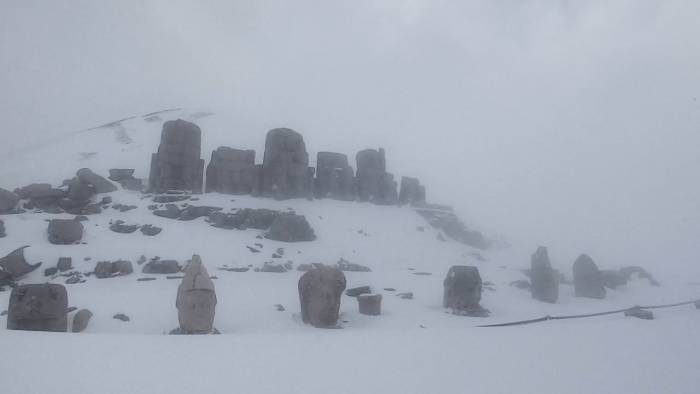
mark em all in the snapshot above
pixel 415 346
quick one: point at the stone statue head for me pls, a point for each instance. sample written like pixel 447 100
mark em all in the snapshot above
pixel 196 299
pixel 319 292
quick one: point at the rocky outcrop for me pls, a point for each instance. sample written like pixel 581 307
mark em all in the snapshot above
pixel 39 307
pixel 196 300
pixel 65 231
pixel 411 192
pixel 289 227
pixel 285 168
pixel 320 290
pixel 462 291
pixel 231 171
pixel 334 177
pixel 178 164
pixel 374 184
pixel 588 281
pixel 544 284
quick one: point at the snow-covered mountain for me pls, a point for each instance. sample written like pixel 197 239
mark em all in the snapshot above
pixel 414 346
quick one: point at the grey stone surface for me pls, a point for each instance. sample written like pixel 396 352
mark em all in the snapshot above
pixel 3 234
pixel 259 219
pixel 289 227
pixel 101 185
pixel 150 230
pixel 285 168
pixel 373 182
pixel 178 165
pixel 65 231
pixel 462 290
pixel 370 304
pixel 15 265
pixel 39 307
pixel 444 219
pixel 8 200
pixel 231 171
pixel 588 281
pixel 171 211
pixel 81 320
pixel 613 279
pixel 120 227
pixel 121 174
pixel 65 264
pixel 411 191
pixel 196 299
pixel 334 177
pixel 544 283
pixel 320 290
pixel 348 266
pixel 357 291
pixel 192 212
pixel 161 267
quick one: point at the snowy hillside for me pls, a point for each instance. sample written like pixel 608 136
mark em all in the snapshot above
pixel 414 346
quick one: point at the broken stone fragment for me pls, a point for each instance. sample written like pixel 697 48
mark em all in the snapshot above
pixel 8 200
pixel 101 185
pixel 15 266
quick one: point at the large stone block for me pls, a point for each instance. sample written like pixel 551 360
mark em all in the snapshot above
pixel 462 291
pixel 373 183
pixel 39 307
pixel 334 177
pixel 285 168
pixel 178 164
pixel 320 290
pixel 412 192
pixel 588 281
pixel 65 231
pixel 545 285
pixel 231 171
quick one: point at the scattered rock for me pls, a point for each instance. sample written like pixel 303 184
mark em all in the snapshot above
pixel 613 279
pixel 121 174
pixel 389 289
pixel 405 296
pixel 15 266
pixel 544 286
pixel 347 266
pixel 124 208
pixel 170 198
pixel 242 269
pixel 107 269
pixel 81 320
pixel 65 231
pixel 196 299
pixel 8 200
pixel 177 165
pixel 161 267
pixel 101 185
pixel 171 211
pixel 521 284
pixel 122 317
pixel 50 271
pixel 252 249
pixel 271 267
pixel 192 212
pixel 142 260
pixel 443 219
pixel 289 227
pixel 73 280
pixel 40 307
pixel 588 281
pixel 370 304
pixel 122 228
pixel 640 313
pixel 462 294
pixel 357 291
pixel 279 307
pixel 319 293
pixel 422 273
pixel 150 230
pixel 145 279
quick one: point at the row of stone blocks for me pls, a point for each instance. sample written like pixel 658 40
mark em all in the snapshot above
pixel 284 172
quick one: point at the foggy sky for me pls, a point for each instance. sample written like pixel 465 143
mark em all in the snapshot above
pixel 573 124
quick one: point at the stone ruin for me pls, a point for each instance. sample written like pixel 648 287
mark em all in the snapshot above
pixel 285 171
pixel 14 266
pixel 232 171
pixel 588 281
pixel 334 177
pixel 39 307
pixel 411 192
pixel 462 293
pixel 370 304
pixel 374 184
pixel 320 290
pixel 196 300
pixel 545 284
pixel 177 165
pixel 65 231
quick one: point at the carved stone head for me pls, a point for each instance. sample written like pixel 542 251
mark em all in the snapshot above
pixel 196 299
pixel 319 292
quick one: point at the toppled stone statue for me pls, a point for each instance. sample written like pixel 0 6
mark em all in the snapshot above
pixel 285 168
pixel 110 269
pixel 38 308
pixel 289 227
pixel 374 184
pixel 177 165
pixel 462 293
pixel 319 293
pixel 412 192
pixel 8 200
pixel 544 284
pixel 15 265
pixel 81 320
pixel 231 171
pixel 196 300
pixel 65 231
pixel 588 281
pixel 334 177
pixel 161 267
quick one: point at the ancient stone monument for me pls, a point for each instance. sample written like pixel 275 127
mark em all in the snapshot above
pixel 38 308
pixel 374 184
pixel 285 169
pixel 177 165
pixel 334 177
pixel 411 192
pixel 65 231
pixel 370 304
pixel 588 281
pixel 545 286
pixel 319 293
pixel 463 291
pixel 8 200
pixel 196 300
pixel 231 171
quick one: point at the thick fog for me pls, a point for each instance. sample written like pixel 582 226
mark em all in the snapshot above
pixel 573 124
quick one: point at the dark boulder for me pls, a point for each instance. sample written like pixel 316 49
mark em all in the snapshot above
pixel 231 171
pixel 319 293
pixel 544 283
pixel 121 174
pixel 161 267
pixel 150 230
pixel 334 177
pixel 640 313
pixel 285 168
pixel 171 211
pixel 588 281
pixel 35 190
pixel 411 192
pixel 462 291
pixel 370 304
pixel 271 267
pixel 15 265
pixel 348 266
pixel 374 184
pixel 110 269
pixel 357 291
pixel 40 307
pixel 81 320
pixel 289 227
pixel 65 231
pixel 78 193
pixel 65 264
pixel 122 228
pixel 8 200
pixel 178 164
pixel 101 185
pixel 121 317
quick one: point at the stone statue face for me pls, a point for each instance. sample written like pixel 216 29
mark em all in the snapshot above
pixel 196 310
pixel 320 291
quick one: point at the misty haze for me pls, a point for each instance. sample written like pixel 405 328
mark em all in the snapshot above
pixel 417 196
